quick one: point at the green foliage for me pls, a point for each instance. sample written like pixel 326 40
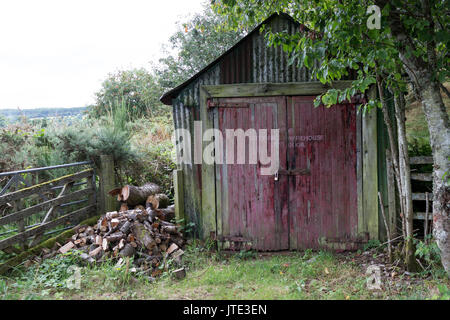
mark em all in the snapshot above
pixel 444 293
pixel 371 244
pixel 336 33
pixel 429 253
pixel 247 254
pixel 137 88
pixel 51 273
pixel 3 121
pixel 419 147
pixel 197 42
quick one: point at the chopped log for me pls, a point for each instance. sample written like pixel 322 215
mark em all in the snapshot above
pixel 130 238
pixel 139 207
pixel 105 244
pixel 172 248
pixel 166 214
pixel 112 215
pixel 151 215
pixel 114 192
pixel 95 252
pixel 123 207
pixel 114 222
pixel 66 247
pixel 98 240
pixel 179 273
pixel 143 236
pixel 125 227
pixel 114 237
pixel 103 224
pixel 169 229
pixel 133 244
pixel 127 251
pixel 133 195
pixel 156 201
pixel 121 244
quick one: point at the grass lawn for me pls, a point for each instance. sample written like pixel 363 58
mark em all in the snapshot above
pixel 211 275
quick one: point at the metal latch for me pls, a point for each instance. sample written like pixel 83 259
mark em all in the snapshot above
pixel 292 172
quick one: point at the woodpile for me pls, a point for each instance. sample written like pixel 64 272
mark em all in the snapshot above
pixel 143 232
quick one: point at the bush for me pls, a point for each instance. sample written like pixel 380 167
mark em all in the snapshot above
pixel 136 87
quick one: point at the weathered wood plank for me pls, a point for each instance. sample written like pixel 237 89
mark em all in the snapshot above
pixel 39 188
pixel 362 226
pixel 49 225
pixel 370 172
pixel 22 214
pixel 421 216
pixel 179 194
pixel 422 176
pixel 271 89
pixel 208 200
pixel 107 182
pixel 421 160
pixel 218 180
pixel 422 196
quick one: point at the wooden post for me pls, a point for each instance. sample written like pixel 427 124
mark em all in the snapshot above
pixel 179 194
pixel 107 182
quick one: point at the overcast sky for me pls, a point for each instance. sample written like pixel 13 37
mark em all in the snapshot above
pixel 56 53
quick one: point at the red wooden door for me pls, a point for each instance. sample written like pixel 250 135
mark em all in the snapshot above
pixel 323 202
pixel 253 206
pixel 314 201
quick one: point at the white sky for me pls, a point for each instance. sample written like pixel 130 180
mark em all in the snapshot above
pixel 57 53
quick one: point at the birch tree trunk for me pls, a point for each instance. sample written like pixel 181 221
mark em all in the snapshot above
pixel 405 176
pixel 421 71
pixel 438 126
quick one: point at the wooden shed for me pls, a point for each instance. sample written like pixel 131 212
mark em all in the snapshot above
pixel 332 161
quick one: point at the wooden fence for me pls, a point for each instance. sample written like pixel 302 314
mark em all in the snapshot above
pixel 426 177
pixel 51 206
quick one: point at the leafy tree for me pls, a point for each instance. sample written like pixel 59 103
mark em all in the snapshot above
pixel 410 45
pixel 137 88
pixel 197 42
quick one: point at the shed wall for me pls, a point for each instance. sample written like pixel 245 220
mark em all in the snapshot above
pixel 252 61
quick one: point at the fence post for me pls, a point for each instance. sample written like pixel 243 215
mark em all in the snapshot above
pixel 107 183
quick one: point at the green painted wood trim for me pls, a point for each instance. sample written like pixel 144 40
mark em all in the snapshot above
pixel 218 185
pixel 179 194
pixel 370 171
pixel 208 198
pixel 362 225
pixel 271 89
pixel 15 261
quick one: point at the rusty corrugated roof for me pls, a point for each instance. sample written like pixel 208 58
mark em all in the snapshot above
pixel 167 97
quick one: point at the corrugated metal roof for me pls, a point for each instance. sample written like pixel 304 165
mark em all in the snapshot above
pixel 229 76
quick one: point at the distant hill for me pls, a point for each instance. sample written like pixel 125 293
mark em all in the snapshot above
pixel 13 114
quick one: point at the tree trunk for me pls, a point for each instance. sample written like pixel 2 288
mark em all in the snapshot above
pixel 438 126
pixel 421 71
pixel 394 152
pixel 405 175
pixel 132 195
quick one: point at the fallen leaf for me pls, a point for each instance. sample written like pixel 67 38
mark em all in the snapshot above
pixel 326 271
